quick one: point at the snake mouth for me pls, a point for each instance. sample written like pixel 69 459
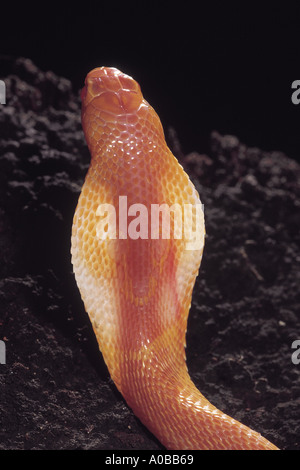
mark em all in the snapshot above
pixel 110 90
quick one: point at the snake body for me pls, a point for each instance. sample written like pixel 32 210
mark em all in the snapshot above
pixel 137 290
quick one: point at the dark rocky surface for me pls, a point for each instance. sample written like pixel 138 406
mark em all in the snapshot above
pixel 55 389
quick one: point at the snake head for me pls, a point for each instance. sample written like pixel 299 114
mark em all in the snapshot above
pixel 107 90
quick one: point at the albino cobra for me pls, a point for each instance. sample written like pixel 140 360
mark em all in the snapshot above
pixel 137 289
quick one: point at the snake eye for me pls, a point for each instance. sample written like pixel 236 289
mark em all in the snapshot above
pixel 130 100
pixel 95 86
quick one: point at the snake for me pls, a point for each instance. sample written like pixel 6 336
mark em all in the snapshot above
pixel 136 270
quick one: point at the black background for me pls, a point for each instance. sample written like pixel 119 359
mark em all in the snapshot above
pixel 202 66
